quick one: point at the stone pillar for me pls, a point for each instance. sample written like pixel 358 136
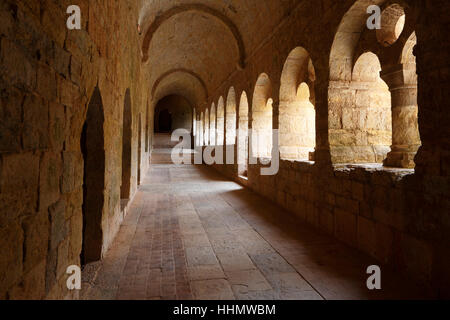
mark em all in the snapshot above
pixel 402 82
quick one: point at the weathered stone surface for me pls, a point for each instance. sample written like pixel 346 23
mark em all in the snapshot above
pixel 357 112
pixel 58 230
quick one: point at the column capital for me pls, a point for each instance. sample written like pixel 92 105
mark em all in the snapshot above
pixel 399 76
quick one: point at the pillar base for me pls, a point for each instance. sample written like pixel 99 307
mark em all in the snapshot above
pixel 400 159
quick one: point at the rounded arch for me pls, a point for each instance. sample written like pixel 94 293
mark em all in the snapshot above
pixel 179 70
pixel 212 125
pixel 230 117
pixel 297 124
pixel 166 15
pixel 220 122
pixel 346 40
pixel 359 102
pixel 93 150
pixel 242 133
pixel 262 122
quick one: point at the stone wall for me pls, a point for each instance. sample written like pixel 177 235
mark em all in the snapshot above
pixel 399 216
pixel 47 77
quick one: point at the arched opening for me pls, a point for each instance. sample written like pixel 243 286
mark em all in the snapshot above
pixel 297 123
pixel 359 101
pixel 243 136
pixel 171 113
pixel 93 149
pixel 262 122
pixel 126 147
pixel 212 125
pixel 220 122
pixel 230 118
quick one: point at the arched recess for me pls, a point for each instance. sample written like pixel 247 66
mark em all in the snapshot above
pixel 297 124
pixel 198 7
pixel 242 133
pixel 230 118
pixel 173 112
pixel 359 102
pixel 220 134
pixel 206 127
pixel 93 149
pixel 262 122
pixel 212 125
pixel 125 187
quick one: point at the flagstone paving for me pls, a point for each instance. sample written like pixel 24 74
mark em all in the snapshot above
pixel 191 234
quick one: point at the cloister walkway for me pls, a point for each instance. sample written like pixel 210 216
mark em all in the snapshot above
pixel 191 234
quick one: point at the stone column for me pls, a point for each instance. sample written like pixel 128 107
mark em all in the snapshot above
pixel 402 82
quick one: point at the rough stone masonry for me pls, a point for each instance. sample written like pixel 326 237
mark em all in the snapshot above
pixel 362 115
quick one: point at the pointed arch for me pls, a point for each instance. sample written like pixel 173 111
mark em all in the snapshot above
pixel 93 149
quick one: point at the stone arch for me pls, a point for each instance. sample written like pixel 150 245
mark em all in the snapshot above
pixel 166 15
pixel 125 188
pixel 212 125
pixel 230 118
pixel 220 122
pixel 359 102
pixel 242 140
pixel 297 126
pixel 342 55
pixel 179 70
pixel 262 122
pixel 93 149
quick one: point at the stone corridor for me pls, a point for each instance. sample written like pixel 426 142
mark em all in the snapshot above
pixel 351 115
pixel 191 234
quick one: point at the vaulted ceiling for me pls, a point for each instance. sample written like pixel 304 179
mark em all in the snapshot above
pixel 192 46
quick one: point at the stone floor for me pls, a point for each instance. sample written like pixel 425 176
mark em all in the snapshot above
pixel 191 234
